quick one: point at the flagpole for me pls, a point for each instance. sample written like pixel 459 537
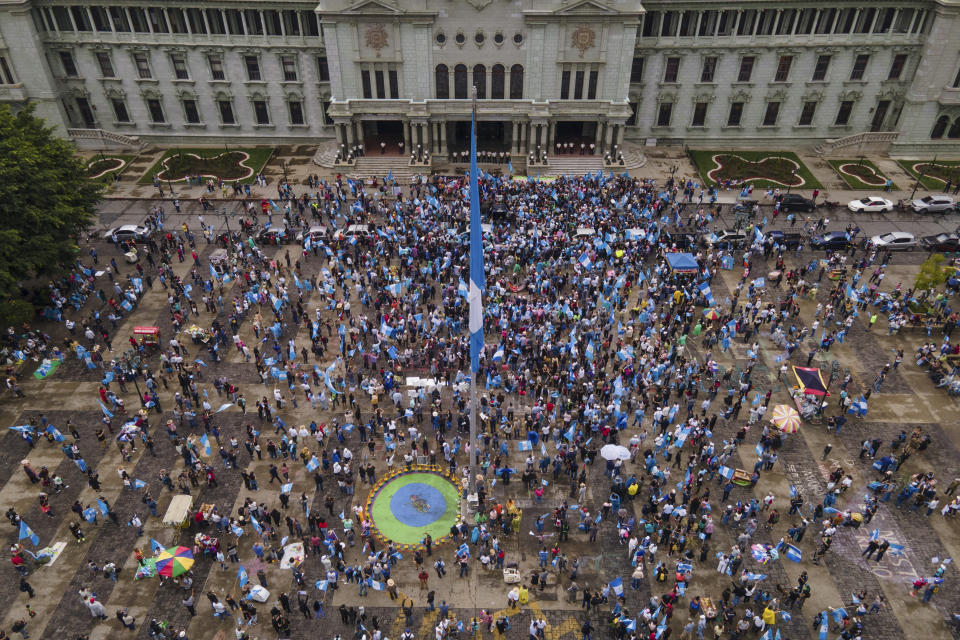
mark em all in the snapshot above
pixel 474 278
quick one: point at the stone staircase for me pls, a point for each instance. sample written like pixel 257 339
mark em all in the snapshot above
pixel 633 157
pixel 572 165
pixel 369 166
pixel 326 154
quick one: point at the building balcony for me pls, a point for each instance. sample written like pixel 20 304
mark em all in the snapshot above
pixel 13 92
pixel 167 39
pixel 486 109
pixel 949 95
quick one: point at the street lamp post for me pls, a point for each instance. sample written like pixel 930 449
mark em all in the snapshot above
pixel 132 373
pixel 793 174
pixel 283 163
pixel 916 185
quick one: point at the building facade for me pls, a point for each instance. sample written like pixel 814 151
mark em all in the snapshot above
pixel 546 72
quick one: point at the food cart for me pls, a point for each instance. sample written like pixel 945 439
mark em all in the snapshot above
pixel 206 544
pixel 149 337
pixel 810 393
pixel 178 513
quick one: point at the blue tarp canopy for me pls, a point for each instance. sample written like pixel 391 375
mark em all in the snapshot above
pixel 682 262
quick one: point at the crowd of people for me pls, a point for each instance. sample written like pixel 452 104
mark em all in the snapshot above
pixel 593 337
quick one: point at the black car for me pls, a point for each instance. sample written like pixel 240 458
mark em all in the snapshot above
pixel 833 240
pixel 947 242
pixel 272 236
pixel 795 202
pixel 684 241
pixel 790 240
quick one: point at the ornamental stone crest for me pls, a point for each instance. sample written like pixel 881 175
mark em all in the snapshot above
pixel 583 38
pixel 479 5
pixel 376 38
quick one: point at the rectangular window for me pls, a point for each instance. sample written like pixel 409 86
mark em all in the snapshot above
pixel 578 84
pixel 323 69
pixel 80 18
pixel 289 65
pixel 100 20
pixel 668 26
pixel 709 69
pixel 271 23
pixel 805 23
pixel 728 18
pixel 120 110
pixel 6 77
pixel 896 67
pixel 845 21
pixel 63 19
pixel 636 70
pixel 859 66
pixel 69 66
pixel 843 114
pixel 699 114
pixel 191 112
pixel 253 68
pixel 806 114
pixel 216 68
pixel 178 23
pixel 261 112
pixel 179 62
pixel 736 113
pixel 195 19
pixel 765 22
pixel 748 19
pixel 119 18
pixel 956 80
pixel 156 111
pixel 226 112
pixel 687 22
pixel 783 69
pixel 865 21
pixel 787 20
pixel 139 20
pixel 296 112
pixel 885 21
pixel 650 21
pixel 106 66
pixel 664 113
pixel 158 22
pixel 234 22
pixel 671 70
pixel 215 20
pixel 365 84
pixel 746 69
pixel 770 115
pixel 143 65
pixel 381 86
pixel 394 81
pixel 291 24
pixel 253 22
pixel 592 84
pixel 825 21
pixel 310 25
pixel 708 23
pixel 565 84
pixel 904 18
pixel 820 70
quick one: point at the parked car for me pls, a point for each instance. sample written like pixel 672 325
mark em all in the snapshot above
pixel 127 232
pixel 870 204
pixel 832 240
pixel 272 236
pixel 795 202
pixel 791 240
pixel 728 237
pixel 894 240
pixel 684 241
pixel 316 232
pixel 933 204
pixel 946 242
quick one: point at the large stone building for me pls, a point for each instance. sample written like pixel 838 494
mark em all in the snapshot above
pixel 547 72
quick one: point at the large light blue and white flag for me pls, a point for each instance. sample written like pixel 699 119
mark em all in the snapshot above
pixel 477 278
pixel 27 532
pixel 617 585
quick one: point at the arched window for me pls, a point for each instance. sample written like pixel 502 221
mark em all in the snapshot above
pixel 497 82
pixel 443 82
pixel 954 131
pixel 460 82
pixel 480 80
pixel 516 82
pixel 940 127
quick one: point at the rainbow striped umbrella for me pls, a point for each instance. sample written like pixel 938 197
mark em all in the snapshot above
pixel 174 561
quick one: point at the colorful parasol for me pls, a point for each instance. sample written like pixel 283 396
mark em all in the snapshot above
pixel 711 314
pixel 810 381
pixel 174 561
pixel 786 418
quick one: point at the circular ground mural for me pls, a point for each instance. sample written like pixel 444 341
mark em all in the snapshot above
pixel 406 505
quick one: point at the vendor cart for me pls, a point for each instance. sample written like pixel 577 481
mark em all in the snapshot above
pixel 178 513
pixel 149 337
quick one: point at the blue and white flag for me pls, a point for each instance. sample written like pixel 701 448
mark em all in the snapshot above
pixel 478 280
pixel 754 576
pixel 106 411
pixel 793 553
pixel 313 464
pixel 726 472
pixel 139 484
pixel 242 576
pixel 896 549
pixel 875 534
pixel 524 445
pixel 205 441
pixel 156 546
pixel 824 624
pixel 90 514
pixel 786 615
pixel 224 407
pixel 463 550
pixel 27 532
pixel 103 507
pixel 287 488
pixel 321 585
pixel 376 586
pixel 617 585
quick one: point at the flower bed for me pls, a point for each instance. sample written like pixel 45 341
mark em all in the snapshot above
pixel 860 174
pixel 235 165
pixel 933 176
pixel 760 168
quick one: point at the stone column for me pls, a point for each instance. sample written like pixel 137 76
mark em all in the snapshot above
pixel 350 138
pixel 515 138
pixel 607 137
pixel 601 148
pixel 406 136
pixel 551 135
pixel 443 138
pixel 619 136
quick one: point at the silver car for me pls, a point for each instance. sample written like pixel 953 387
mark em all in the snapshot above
pixel 933 204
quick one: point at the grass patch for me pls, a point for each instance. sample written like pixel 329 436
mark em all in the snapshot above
pixel 866 174
pixel 762 169
pixel 232 165
pixel 935 176
pixel 104 166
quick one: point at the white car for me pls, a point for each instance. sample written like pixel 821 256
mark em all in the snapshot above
pixel 317 233
pixel 933 204
pixel 894 240
pixel 126 232
pixel 870 204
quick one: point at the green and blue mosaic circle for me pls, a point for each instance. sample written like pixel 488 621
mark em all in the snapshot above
pixel 407 505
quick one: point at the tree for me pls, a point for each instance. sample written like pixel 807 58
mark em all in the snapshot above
pixel 46 200
pixel 931 274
